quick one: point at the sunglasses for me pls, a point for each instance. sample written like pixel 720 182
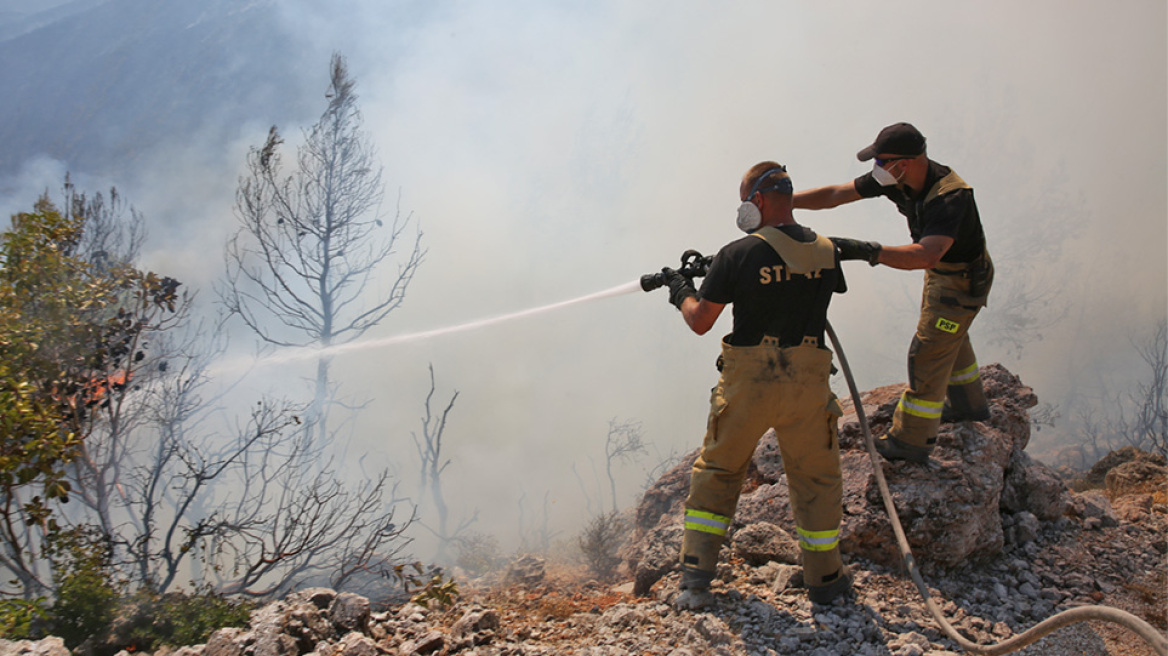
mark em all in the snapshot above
pixel 882 162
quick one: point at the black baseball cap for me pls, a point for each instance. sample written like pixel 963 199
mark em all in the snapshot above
pixel 896 139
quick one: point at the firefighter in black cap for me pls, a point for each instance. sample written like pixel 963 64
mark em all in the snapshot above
pixel 949 244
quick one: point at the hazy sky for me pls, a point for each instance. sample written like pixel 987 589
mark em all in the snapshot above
pixel 552 150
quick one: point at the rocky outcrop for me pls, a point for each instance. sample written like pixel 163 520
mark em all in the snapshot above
pixel 954 509
pixel 51 646
pixel 1097 475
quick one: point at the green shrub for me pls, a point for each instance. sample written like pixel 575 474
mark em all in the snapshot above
pixel 437 589
pixel 189 619
pixel 17 617
pixel 600 542
pixel 86 593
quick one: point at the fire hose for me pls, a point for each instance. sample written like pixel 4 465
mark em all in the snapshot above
pixel 694 264
pixel 1071 616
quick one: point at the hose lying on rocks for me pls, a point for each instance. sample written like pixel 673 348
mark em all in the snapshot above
pixel 1071 616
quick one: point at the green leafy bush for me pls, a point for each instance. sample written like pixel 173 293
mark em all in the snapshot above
pixel 437 589
pixel 87 596
pixel 179 619
pixel 18 616
pixel 600 542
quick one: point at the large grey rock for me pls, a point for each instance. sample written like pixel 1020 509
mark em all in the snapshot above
pixel 228 642
pixel 50 646
pixel 350 612
pixel 653 551
pixel 429 643
pixel 763 542
pixel 319 597
pixel 1097 475
pixel 356 644
pixel 1094 508
pixel 1140 476
pixel 527 569
pixel 477 626
pixel 306 622
pixel 272 642
pixel 1032 486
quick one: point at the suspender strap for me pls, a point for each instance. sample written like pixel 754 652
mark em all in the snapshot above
pixel 806 258
pixel 951 182
pixel 800 256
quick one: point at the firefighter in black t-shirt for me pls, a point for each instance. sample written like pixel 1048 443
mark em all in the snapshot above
pixel 774 374
pixel 949 243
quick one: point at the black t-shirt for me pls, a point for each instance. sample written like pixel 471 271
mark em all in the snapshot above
pixel 953 214
pixel 768 300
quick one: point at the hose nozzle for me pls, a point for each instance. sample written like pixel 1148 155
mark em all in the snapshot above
pixel 651 281
pixel 693 265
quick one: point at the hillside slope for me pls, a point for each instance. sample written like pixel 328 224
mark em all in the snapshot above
pixel 1105 546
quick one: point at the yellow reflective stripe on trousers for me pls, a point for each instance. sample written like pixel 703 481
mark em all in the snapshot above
pixel 818 540
pixel 920 407
pixel 965 376
pixel 697 520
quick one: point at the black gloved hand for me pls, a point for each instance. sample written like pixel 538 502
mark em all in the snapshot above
pixel 854 249
pixel 680 287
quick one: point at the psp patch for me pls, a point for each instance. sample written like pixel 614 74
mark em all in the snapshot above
pixel 948 326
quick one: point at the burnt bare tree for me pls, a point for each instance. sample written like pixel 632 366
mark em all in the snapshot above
pixel 624 442
pixel 114 231
pixel 1137 416
pixel 312 241
pixel 535 534
pixel 1148 428
pixel 433 464
pixel 252 507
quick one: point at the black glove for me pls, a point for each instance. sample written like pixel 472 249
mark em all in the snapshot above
pixel 854 249
pixel 680 287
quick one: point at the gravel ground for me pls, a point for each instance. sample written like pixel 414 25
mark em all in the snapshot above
pixel 762 611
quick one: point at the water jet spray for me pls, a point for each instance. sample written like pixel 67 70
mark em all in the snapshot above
pixel 363 345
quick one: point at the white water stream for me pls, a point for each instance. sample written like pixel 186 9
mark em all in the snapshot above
pixel 364 345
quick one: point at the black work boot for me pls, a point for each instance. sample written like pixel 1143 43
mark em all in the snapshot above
pixel 694 589
pixel 824 594
pixel 695 579
pixel 950 416
pixel 893 449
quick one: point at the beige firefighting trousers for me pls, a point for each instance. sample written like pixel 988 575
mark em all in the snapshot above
pixel 764 387
pixel 941 361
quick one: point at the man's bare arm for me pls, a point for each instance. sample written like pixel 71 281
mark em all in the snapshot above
pixel 822 198
pixel 700 315
pixel 924 254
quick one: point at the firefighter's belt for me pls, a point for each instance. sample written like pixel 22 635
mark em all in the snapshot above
pixel 958 268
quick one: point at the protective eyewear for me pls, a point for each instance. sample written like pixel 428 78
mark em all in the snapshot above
pixel 888 160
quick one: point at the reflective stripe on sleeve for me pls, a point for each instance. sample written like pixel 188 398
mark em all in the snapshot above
pixel 818 540
pixel 697 520
pixel 920 407
pixel 965 376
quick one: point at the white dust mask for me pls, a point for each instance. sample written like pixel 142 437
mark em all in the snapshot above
pixel 882 176
pixel 749 217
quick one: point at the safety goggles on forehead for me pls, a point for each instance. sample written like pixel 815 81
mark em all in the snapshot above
pixel 779 184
